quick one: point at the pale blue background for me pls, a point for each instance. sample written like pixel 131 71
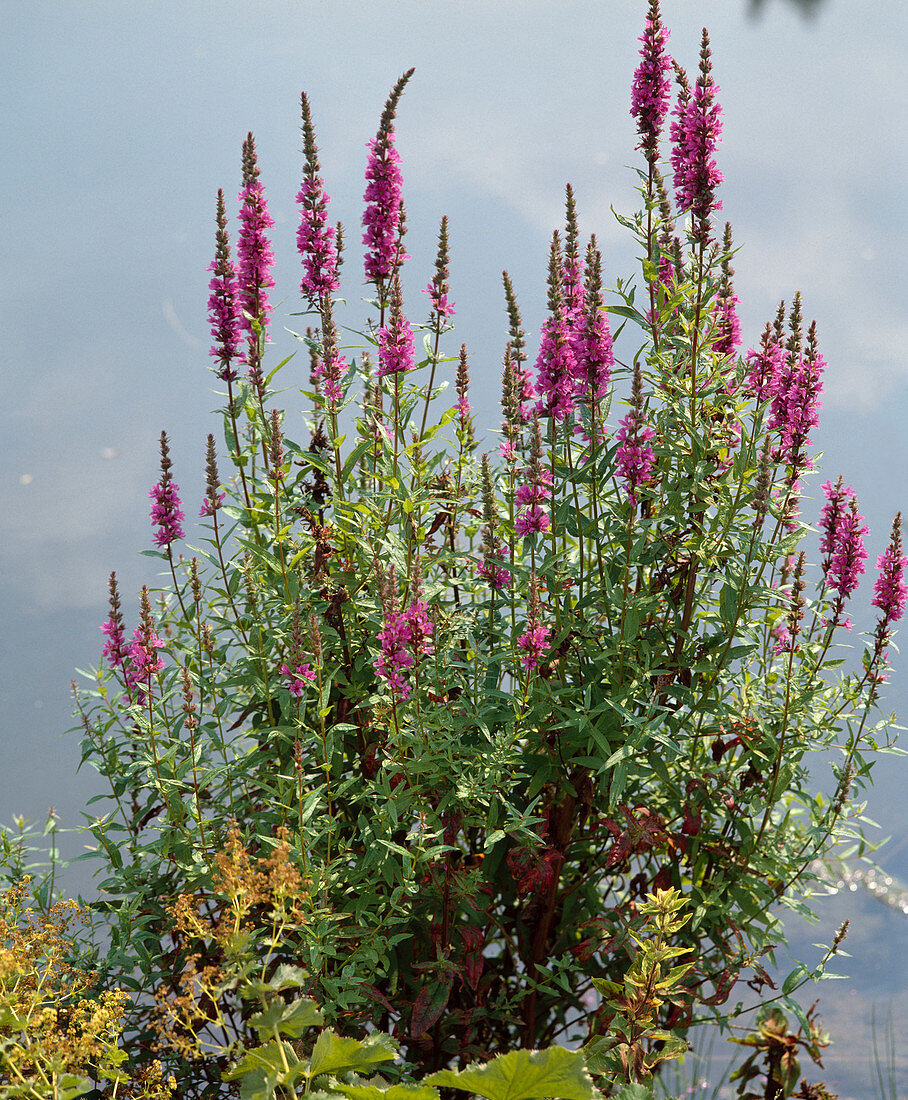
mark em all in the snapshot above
pixel 122 120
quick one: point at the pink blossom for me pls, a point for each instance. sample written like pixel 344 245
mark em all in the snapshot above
pixel 254 255
pixel 764 367
pixel 694 136
pixel 382 217
pixel 556 368
pixel 535 491
pixel 297 676
pixel 208 508
pixel 395 340
pixel 890 591
pixel 650 93
pixel 223 305
pixel 534 639
pixel 315 241
pixel 795 405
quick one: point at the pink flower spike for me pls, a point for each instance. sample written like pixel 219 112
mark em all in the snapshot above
pixel 254 255
pixel 694 135
pixel 395 341
pixel 650 93
pixel 315 239
pixel 890 591
pixel 382 218
pixel 223 306
pixel 165 510
pixel 534 639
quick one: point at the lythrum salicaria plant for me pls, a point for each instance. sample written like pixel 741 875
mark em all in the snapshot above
pixel 484 752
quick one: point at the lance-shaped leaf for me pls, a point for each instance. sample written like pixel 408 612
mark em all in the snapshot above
pixel 524 1075
pixel 429 1004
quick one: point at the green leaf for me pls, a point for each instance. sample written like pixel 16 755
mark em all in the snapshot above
pixel 288 1019
pixel 635 1092
pixel 523 1074
pixel 333 1053
pixel 797 976
pixel 393 1092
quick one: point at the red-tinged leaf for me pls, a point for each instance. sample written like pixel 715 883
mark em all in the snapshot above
pixel 472 968
pixel 429 1005
pixel 377 995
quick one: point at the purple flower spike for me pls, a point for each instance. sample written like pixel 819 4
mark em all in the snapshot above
pixel 694 136
pixel 115 649
pixel 255 258
pixel 535 491
pixel 144 661
pixel 650 93
pixel 535 638
pixel 890 592
pixel 796 403
pixel 842 542
pixel 315 239
pixel 223 305
pixel 635 456
pixel 382 219
pixel 405 635
pixel 437 288
pixel 165 509
pixel 395 341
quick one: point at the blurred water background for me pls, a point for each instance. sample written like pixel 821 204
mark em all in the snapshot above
pixel 121 125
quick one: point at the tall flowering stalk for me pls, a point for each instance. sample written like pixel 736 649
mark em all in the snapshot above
pixel 516 351
pixel 796 400
pixel 535 491
pixel 396 354
pixel 255 259
pixel 727 326
pixel 555 364
pixel 442 309
pixel 695 133
pixel 842 543
pixel 166 512
pixel 594 358
pixel 405 636
pixel 535 639
pixel 144 662
pixel 889 591
pixel 223 302
pixel 318 243
pixel 226 320
pixel 652 88
pixel 116 649
pixel 382 218
pixel 635 458
pixel 493 549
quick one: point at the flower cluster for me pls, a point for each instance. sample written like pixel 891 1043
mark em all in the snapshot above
pixel 254 255
pixel 165 509
pixel 115 648
pixel 405 636
pixel 144 661
pixel 890 591
pixel 395 340
pixel 493 550
pixel 635 457
pixel 842 542
pixel 437 288
pixel 316 241
pixel 694 135
pixel 651 89
pixel 796 402
pixel 535 491
pixel 223 306
pixel 298 676
pixel 383 216
pixel 535 638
